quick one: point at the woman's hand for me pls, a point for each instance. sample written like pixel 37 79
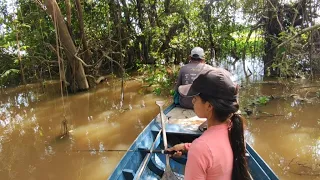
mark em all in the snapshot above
pixel 179 149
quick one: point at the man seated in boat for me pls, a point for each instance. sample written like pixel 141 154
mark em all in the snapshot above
pixel 188 73
pixel 219 153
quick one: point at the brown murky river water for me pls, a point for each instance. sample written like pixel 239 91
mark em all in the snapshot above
pixel 285 132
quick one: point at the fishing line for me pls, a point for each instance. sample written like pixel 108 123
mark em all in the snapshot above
pixel 159 151
pixel 64 123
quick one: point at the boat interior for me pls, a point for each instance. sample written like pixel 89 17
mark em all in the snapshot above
pixel 182 126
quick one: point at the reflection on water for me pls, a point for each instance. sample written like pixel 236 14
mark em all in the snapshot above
pixel 285 132
pixel 253 66
pixel 31 123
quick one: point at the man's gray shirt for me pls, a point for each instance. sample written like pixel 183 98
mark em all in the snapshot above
pixel 187 75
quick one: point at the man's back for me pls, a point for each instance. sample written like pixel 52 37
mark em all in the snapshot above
pixel 187 75
pixel 190 71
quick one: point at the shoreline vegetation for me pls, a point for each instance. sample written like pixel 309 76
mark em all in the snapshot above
pixel 82 42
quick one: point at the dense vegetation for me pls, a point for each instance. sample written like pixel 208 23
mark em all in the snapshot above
pixel 84 40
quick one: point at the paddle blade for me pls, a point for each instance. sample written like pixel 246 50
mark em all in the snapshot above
pixel 160 103
pixel 169 175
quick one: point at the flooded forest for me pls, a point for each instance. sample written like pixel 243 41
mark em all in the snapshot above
pixel 81 76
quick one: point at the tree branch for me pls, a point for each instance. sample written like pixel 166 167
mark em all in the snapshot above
pixel 42 6
pixel 82 62
pixel 110 59
pixel 256 26
pixel 275 9
pixel 301 32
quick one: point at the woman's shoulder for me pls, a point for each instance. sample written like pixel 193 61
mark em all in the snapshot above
pixel 200 151
pixel 215 137
pixel 200 145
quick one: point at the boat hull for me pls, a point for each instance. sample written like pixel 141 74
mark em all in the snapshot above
pixel 140 165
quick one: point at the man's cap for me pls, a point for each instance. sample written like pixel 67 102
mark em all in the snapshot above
pixel 214 83
pixel 197 53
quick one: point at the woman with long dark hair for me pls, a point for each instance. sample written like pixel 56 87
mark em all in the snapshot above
pixel 219 153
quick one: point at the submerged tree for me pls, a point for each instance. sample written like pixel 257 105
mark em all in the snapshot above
pixel 77 79
pixel 284 21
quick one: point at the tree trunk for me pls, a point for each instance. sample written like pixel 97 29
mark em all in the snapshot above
pixel 126 33
pixel 23 79
pixel 87 53
pixel 143 39
pixel 272 31
pixel 208 19
pixel 68 10
pixel 127 16
pixel 152 15
pixel 79 81
pixel 268 58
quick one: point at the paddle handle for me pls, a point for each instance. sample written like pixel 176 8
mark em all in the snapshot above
pixel 161 151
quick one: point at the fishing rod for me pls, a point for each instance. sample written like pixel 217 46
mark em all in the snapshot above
pixel 161 151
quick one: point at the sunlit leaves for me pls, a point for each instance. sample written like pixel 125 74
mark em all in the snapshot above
pixel 6 75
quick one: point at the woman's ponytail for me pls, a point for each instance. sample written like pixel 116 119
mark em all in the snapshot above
pixel 236 135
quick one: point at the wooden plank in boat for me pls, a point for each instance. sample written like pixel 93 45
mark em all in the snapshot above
pixel 182 121
pixel 186 118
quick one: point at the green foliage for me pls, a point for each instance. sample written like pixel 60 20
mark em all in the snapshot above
pixel 157 91
pixel 33 30
pixel 254 46
pixel 8 72
pixel 7 75
pixel 153 33
pixel 140 35
pixel 290 57
pixel 161 77
pixel 262 100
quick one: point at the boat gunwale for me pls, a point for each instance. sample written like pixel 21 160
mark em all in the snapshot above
pixel 134 145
